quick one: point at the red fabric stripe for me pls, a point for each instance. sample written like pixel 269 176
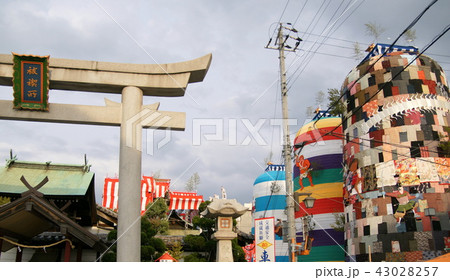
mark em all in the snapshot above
pixel 322 206
pixel 318 135
pixel 184 201
pixel 109 194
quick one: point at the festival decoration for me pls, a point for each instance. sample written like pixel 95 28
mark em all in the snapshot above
pixel 396 108
pixel 318 170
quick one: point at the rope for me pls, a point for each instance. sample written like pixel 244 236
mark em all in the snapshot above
pixel 37 246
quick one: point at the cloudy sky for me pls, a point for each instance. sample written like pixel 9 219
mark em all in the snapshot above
pixel 241 91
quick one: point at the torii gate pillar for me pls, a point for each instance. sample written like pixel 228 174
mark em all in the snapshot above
pixel 132 81
pixel 130 168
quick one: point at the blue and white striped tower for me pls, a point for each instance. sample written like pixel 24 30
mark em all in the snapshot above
pixel 269 198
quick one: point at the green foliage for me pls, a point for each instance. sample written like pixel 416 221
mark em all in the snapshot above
pixel 444 144
pixel 4 200
pixel 335 103
pixel 205 224
pixel 157 209
pixel 156 215
pixel 160 226
pixel 320 97
pixel 147 253
pixel 195 257
pixel 193 182
pixel 339 222
pixel 375 30
pixel 203 206
pixel 195 242
pixel 238 252
pixel 357 52
pixel 151 247
pixel 111 256
pixel 410 36
pixel 176 250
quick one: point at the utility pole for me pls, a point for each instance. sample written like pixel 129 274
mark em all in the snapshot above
pixel 281 46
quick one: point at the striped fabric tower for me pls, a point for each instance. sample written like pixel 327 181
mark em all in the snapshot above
pixel 396 125
pixel 318 170
pixel 269 198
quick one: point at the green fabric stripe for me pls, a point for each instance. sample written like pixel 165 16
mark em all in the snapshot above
pixel 323 254
pixel 321 177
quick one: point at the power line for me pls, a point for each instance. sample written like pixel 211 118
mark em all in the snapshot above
pixel 380 148
pixel 279 21
pixel 387 151
pixel 301 10
pixel 344 137
pixel 384 53
pixel 362 43
pixel 403 69
pixel 326 30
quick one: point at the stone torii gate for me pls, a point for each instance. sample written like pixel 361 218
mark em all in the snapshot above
pixel 132 81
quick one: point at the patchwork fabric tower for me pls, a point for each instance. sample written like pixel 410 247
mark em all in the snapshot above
pixel 269 199
pixel 397 170
pixel 318 171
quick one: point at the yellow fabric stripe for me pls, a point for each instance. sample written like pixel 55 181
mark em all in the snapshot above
pixel 326 122
pixel 326 190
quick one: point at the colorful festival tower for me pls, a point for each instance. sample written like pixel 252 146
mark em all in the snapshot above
pixel 269 199
pixel 397 173
pixel 318 170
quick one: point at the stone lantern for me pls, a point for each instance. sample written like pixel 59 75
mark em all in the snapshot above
pixel 224 210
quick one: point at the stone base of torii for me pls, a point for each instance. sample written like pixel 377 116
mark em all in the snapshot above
pixel 132 81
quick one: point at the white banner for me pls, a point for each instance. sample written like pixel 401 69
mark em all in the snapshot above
pixel 265 240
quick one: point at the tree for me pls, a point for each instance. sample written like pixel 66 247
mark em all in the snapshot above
pixel 357 52
pixel 152 223
pixel 336 104
pixel 238 252
pixel 193 182
pixel 410 36
pixel 176 250
pixel 309 112
pixel 202 244
pixel 156 174
pixel 205 224
pixel 151 247
pixel 156 214
pixel 375 30
pixel 339 222
pixel 195 257
pixel 320 98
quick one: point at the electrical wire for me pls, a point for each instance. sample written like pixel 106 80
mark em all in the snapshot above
pixel 344 137
pixel 403 69
pixel 384 53
pixel 437 37
pixel 301 10
pixel 309 57
pixel 279 21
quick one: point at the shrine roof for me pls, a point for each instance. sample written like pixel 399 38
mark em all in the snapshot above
pixel 63 179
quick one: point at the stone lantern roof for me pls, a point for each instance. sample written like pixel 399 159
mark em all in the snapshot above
pixel 224 208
